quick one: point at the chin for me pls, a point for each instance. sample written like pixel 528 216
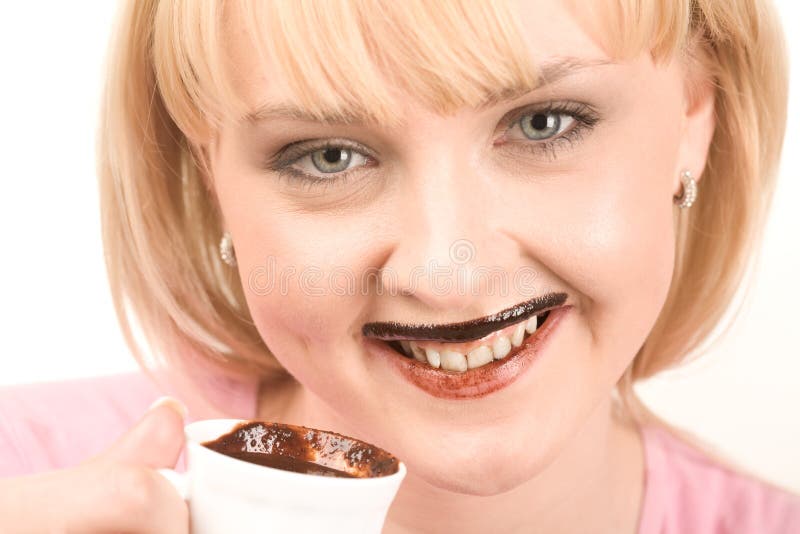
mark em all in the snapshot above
pixel 481 468
pixel 482 479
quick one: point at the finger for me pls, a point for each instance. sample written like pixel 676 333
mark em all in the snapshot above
pixel 94 497
pixel 126 498
pixel 155 441
pixel 139 500
pixel 119 490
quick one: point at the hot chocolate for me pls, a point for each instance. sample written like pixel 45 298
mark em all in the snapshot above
pixel 304 450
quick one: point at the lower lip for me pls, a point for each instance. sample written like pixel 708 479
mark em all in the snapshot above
pixel 472 383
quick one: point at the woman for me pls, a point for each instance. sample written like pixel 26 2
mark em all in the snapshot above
pixel 460 231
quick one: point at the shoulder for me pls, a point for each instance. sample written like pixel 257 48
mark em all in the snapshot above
pixel 688 491
pixel 54 425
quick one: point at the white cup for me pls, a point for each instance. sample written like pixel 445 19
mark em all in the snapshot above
pixel 227 495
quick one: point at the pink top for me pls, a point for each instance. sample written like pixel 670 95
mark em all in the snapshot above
pixel 51 426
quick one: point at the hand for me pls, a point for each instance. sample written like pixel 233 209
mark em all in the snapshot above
pixel 117 491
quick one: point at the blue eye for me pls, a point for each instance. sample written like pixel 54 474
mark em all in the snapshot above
pixel 332 159
pixel 544 125
pixel 323 161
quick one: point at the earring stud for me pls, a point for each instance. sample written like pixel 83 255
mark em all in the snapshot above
pixel 226 249
pixel 688 191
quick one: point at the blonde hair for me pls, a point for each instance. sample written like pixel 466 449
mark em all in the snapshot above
pixel 167 91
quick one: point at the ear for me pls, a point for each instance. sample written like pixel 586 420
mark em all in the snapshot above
pixel 699 121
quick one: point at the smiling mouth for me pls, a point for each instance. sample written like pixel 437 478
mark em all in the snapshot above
pixel 458 347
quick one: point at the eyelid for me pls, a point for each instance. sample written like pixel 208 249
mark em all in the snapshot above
pixel 585 116
pixel 293 152
pixel 581 111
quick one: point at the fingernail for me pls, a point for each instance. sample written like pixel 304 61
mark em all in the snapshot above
pixel 174 403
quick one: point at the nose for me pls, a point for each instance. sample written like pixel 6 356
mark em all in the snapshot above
pixel 451 248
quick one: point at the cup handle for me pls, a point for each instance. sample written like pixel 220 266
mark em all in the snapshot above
pixel 178 480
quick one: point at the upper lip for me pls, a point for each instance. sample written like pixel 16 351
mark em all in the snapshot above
pixel 465 330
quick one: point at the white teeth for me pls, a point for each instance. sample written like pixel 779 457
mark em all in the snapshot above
pixel 453 361
pixel 433 357
pixel 456 361
pixel 480 356
pixel 519 333
pixel 501 347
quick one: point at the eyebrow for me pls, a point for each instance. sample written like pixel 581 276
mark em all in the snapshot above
pixel 549 72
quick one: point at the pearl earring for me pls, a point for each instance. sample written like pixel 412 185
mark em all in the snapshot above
pixel 688 191
pixel 226 249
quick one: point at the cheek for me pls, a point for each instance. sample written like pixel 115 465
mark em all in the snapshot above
pixel 626 258
pixel 302 278
pixel 605 229
pixel 301 273
pixel 621 235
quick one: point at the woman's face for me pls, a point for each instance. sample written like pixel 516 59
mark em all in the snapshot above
pixel 576 200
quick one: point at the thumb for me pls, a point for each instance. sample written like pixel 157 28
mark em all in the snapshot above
pixel 156 440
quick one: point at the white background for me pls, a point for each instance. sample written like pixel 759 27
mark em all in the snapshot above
pixel 56 313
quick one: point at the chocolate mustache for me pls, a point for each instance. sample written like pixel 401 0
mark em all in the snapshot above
pixel 465 330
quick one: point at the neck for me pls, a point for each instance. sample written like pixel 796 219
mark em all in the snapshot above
pixel 594 485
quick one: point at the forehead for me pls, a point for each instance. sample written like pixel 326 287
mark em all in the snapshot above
pixel 560 28
pixel 283 60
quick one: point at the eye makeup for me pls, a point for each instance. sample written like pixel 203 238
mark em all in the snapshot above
pixel 582 118
pixel 283 164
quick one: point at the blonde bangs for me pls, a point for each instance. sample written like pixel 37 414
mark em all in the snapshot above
pixel 342 60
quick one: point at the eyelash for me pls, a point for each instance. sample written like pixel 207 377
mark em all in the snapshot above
pixel 585 118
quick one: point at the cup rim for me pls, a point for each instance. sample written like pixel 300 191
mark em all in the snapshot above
pixel 274 471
